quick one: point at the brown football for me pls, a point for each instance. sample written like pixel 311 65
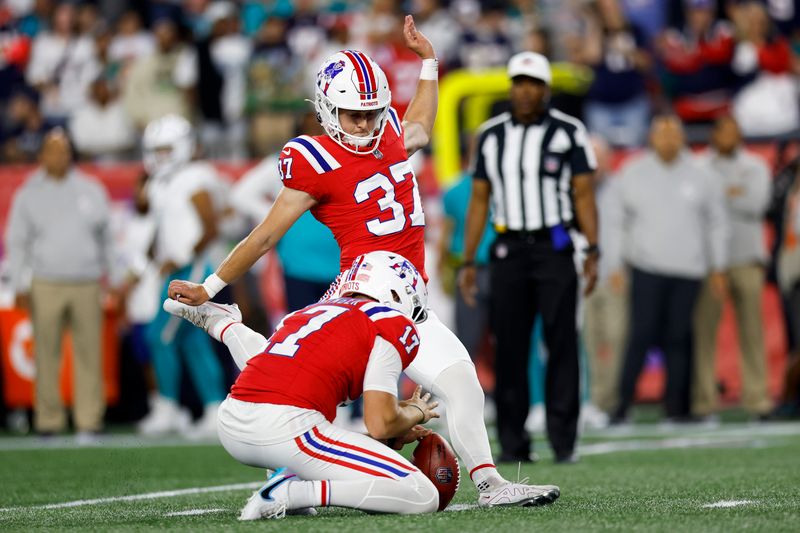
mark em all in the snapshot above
pixel 434 458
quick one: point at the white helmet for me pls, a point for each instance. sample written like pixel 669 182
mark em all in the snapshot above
pixel 390 279
pixel 168 144
pixel 351 80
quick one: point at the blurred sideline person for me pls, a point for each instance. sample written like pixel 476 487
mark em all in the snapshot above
pixel 58 231
pixel 671 213
pixel 788 276
pixel 141 283
pixel 746 182
pixel 606 312
pixel 358 181
pixel 325 354
pixel 535 166
pixel 180 196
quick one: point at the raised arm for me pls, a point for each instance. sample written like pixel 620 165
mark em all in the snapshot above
pixel 421 114
pixel 288 207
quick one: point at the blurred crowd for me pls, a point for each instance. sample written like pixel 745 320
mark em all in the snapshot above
pixel 240 73
pixel 241 70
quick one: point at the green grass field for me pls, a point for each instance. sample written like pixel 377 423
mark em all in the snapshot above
pixel 648 478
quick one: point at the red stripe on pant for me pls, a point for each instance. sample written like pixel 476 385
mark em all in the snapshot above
pixel 306 450
pixel 324 490
pixel 485 465
pixel 359 449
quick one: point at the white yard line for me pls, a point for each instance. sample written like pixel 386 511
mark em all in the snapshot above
pixel 461 507
pixel 137 497
pixel 727 503
pixel 195 512
pixel 67 442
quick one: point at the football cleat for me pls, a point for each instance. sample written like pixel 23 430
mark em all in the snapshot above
pixel 520 495
pixel 271 500
pixel 206 316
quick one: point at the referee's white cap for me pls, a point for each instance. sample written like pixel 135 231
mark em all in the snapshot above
pixel 530 64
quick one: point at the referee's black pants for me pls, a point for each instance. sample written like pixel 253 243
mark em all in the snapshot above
pixel 529 277
pixel 661 309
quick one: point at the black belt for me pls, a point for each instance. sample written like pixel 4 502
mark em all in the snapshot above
pixel 535 235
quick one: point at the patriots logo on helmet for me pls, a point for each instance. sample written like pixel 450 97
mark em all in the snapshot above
pixel 405 269
pixel 328 73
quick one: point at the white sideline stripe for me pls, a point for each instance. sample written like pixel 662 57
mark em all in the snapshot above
pixel 727 503
pixel 771 429
pixel 774 429
pixel 603 448
pixel 137 497
pixel 68 442
pixel 195 512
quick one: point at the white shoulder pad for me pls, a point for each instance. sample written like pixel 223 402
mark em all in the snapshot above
pixel 317 156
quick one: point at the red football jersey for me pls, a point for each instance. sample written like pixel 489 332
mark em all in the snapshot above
pixel 317 357
pixel 369 202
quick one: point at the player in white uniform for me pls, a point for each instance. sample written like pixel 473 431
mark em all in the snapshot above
pixel 358 182
pixel 180 193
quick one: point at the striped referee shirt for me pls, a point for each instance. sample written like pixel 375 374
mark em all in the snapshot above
pixel 530 168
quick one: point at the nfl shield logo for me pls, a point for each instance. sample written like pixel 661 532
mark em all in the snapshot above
pixel 444 474
pixel 551 164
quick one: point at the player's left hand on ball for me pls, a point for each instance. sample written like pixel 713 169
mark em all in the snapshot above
pixel 414 434
pixel 187 292
pixel 416 41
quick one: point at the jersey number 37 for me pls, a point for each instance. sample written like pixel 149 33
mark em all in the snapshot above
pixel 399 172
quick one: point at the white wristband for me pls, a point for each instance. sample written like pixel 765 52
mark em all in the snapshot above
pixel 430 69
pixel 213 284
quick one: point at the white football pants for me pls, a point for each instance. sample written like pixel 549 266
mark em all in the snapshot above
pixel 335 467
pixel 443 367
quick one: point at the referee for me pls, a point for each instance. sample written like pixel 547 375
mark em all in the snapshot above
pixel 535 164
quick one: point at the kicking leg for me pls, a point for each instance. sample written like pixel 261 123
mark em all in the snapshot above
pixel 443 367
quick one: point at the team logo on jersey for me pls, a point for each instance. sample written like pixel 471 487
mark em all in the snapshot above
pixel 328 73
